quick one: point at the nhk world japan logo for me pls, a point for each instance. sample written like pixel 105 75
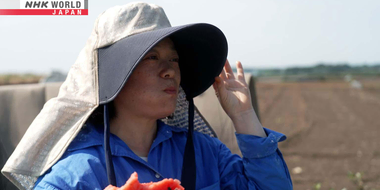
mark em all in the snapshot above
pixel 50 7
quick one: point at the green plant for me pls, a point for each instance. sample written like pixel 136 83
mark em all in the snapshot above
pixel 318 186
pixel 357 179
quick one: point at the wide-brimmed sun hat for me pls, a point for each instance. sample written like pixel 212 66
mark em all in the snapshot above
pixel 122 35
pixel 202 49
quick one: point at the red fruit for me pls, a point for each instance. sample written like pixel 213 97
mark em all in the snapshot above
pixel 134 184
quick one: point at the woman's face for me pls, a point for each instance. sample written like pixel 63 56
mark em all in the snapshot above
pixel 152 89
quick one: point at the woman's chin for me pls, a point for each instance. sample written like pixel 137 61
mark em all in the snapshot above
pixel 165 113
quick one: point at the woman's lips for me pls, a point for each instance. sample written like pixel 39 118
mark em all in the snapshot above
pixel 171 90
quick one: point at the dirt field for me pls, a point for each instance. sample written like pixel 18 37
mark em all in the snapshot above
pixel 332 128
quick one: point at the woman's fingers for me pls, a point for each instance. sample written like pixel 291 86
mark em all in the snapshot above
pixel 240 71
pixel 218 86
pixel 223 75
pixel 228 70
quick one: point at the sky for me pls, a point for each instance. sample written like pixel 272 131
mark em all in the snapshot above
pixel 260 33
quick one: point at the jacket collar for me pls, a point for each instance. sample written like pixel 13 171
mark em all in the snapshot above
pixel 92 135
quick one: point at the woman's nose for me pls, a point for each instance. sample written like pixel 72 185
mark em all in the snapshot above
pixel 168 71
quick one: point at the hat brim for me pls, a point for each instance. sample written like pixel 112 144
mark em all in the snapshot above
pixel 202 49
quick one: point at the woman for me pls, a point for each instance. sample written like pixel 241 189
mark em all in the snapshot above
pixel 140 70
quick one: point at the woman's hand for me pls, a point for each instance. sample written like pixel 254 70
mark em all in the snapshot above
pixel 233 94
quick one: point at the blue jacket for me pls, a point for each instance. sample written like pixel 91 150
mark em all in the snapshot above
pixel 83 164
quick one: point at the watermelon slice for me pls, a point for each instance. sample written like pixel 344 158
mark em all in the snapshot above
pixel 134 184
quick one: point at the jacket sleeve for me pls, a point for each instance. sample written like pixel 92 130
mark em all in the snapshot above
pixel 261 168
pixel 76 171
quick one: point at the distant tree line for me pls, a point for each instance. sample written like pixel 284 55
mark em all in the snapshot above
pixel 321 69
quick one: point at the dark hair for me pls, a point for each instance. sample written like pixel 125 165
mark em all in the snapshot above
pixel 97 117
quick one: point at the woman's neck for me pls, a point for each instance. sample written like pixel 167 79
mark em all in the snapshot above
pixel 137 132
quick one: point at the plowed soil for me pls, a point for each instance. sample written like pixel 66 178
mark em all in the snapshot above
pixel 332 129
